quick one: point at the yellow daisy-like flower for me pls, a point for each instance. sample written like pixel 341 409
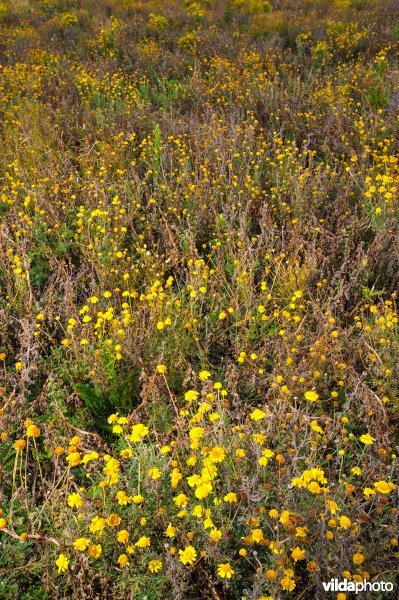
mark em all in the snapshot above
pixel 257 414
pixel 170 530
pixel 191 395
pixel 81 544
pixel 297 553
pixel 19 445
pixel 138 432
pixel 75 500
pixel 180 500
pixel 62 563
pixel 257 535
pixel 311 396
pixel 123 560
pixel 225 571
pixel 204 375
pixel 154 473
pixel 155 566
pixel 215 535
pixel 384 487
pixel 188 555
pixel 217 454
pixel 358 558
pixel 367 439
pixel 345 522
pixel 287 583
pixel 33 431
pixel 143 542
pixel 94 550
pixel 123 536
pixel 230 497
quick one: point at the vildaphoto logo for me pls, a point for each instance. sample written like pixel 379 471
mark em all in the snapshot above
pixel 334 585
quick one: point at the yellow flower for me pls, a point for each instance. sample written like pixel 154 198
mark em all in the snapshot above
pixel 113 520
pixel 344 522
pixel 384 487
pixel 162 369
pixel 203 490
pixel 155 566
pixel 204 375
pixel 19 445
pixel 123 536
pixel 62 563
pixel 286 517
pixel 97 525
pixel 257 414
pixel 297 553
pixel 175 477
pixel 215 535
pixel 126 453
pixel 367 439
pixel 123 560
pixel 191 395
pixel 257 535
pixel 154 473
pixel 33 431
pixel 170 530
pixel 143 542
pixel 123 498
pixel 314 487
pixel 138 432
pixel 259 438
pixel 287 583
pixel 198 511
pixel 215 416
pixel 188 555
pixel 311 395
pixel 81 544
pixel 301 532
pixel 74 459
pixel 217 454
pixel 332 506
pixel 89 456
pixel 94 550
pixel 225 571
pixel 75 441
pixel 138 499
pixel 180 500
pixel 266 454
pixel 315 427
pixel 75 500
pixel 230 497
pixel 358 558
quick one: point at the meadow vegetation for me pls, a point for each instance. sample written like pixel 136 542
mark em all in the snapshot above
pixel 199 267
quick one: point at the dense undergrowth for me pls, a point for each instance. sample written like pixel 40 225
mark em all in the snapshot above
pixel 199 260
